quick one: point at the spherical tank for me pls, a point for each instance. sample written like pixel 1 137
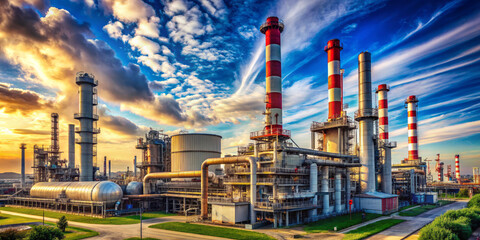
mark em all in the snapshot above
pixel 104 191
pixel 190 150
pixel 134 188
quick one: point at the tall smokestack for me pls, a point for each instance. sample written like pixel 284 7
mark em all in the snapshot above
pixel 88 118
pixel 365 117
pixel 273 114
pixel 335 91
pixel 23 146
pixel 438 168
pixel 135 166
pixel 457 167
pixel 109 169
pixel 105 166
pixel 382 92
pixel 71 146
pixel 412 128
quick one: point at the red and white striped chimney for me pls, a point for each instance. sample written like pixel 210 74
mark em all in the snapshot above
pixel 412 127
pixel 335 90
pixel 457 167
pixel 273 114
pixel 383 112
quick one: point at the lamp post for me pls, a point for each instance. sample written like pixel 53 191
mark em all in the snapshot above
pixel 141 208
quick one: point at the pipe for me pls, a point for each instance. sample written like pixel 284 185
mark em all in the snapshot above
pixel 365 117
pixel 333 49
pixel 71 146
pixel 338 192
pixel 317 153
pixel 347 187
pixel 273 113
pixel 23 146
pixel 230 160
pixel 332 163
pixel 326 201
pixel 314 187
pixel 160 175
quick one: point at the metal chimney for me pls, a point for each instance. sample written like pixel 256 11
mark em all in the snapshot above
pixel 412 128
pixel 365 117
pixel 135 167
pixel 88 119
pixel 105 166
pixel 71 146
pixel 384 142
pixel 335 91
pixel 109 169
pixel 23 146
pixel 457 167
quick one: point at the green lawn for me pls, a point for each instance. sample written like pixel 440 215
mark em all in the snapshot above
pixel 6 219
pixel 340 222
pixel 370 229
pixel 86 219
pixel 71 233
pixel 417 211
pixel 406 207
pixel 212 231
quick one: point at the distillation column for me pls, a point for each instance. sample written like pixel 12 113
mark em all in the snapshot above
pixel 23 146
pixel 338 191
pixel 273 114
pixel 457 168
pixel 71 146
pixel 87 117
pixel 382 92
pixel 365 117
pixel 314 186
pixel 412 128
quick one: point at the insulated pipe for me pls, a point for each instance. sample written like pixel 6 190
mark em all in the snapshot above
pixel 332 163
pixel 333 49
pixel 457 167
pixel 347 187
pixel 412 127
pixel 273 114
pixel 365 117
pixel 326 195
pixel 314 186
pixel 23 146
pixel 317 153
pixel 230 160
pixel 71 146
pixel 161 175
pixel 338 192
pixel 382 92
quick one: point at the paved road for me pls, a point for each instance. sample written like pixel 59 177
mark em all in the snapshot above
pixel 413 224
pixel 117 232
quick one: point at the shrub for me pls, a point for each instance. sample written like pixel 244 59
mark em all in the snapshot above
pixel 463 193
pixel 62 223
pixel 11 234
pixel 431 232
pixel 45 233
pixel 474 201
pixel 459 226
pixel 473 214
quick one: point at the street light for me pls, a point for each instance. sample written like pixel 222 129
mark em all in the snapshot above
pixel 141 207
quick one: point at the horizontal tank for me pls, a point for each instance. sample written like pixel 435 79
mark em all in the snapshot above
pixel 190 150
pixel 104 191
pixel 134 188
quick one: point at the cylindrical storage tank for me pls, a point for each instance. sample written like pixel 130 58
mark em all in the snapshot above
pixel 104 191
pixel 134 188
pixel 190 150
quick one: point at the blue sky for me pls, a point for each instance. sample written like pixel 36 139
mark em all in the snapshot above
pixel 199 66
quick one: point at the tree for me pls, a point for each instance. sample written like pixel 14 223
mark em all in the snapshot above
pixel 45 233
pixel 62 223
pixel 11 234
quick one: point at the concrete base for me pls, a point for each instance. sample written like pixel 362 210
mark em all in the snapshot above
pixel 230 212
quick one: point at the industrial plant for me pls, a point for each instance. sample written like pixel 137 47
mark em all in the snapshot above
pixel 272 180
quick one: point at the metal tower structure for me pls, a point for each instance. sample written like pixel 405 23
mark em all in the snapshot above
pixel 23 146
pixel 88 124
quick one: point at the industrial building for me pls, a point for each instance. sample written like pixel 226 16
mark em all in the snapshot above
pixel 271 180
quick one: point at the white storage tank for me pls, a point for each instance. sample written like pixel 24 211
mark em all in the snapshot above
pixel 191 149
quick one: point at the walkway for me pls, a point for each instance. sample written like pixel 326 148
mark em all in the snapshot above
pixel 118 232
pixel 413 224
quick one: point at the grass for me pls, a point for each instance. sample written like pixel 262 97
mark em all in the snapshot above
pixel 71 233
pixel 419 210
pixel 340 222
pixel 370 229
pixel 6 219
pixel 212 231
pixel 86 219
pixel 452 196
pixel 406 207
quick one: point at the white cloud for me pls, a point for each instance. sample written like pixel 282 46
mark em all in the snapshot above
pixel 144 45
pixel 128 10
pixel 148 28
pixel 114 30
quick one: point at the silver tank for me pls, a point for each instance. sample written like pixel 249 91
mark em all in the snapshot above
pixel 188 151
pixel 134 188
pixel 104 191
